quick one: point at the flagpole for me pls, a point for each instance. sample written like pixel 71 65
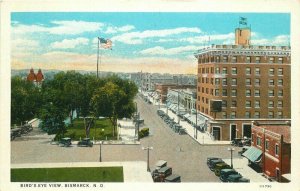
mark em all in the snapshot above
pixel 98 56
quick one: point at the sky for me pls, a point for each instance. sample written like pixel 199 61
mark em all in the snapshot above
pixel 162 42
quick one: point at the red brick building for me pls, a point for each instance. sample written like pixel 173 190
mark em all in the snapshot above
pixel 274 142
pixel 162 89
pixel 37 78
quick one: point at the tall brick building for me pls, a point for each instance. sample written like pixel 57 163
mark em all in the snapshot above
pixel 251 82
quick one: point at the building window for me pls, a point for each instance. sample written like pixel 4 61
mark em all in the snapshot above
pixel 224 103
pixel 248 81
pixel 233 70
pixel 217 70
pixel 257 71
pixel 279 103
pixel 271 82
pixel 233 59
pixel 280 60
pixel 257 104
pixel 280 71
pixel 218 59
pixel 271 104
pixel 271 93
pixel 280 82
pixel 224 70
pixel 212 70
pixel 257 114
pixel 217 81
pixel 258 141
pixel 202 89
pixel 267 144
pixel 224 92
pixel 248 103
pixel 206 100
pixel 225 59
pixel 224 81
pixel 271 60
pixel 224 114
pixel 271 114
pixel 211 91
pixel 279 114
pixel 233 103
pixel 248 58
pixel 248 71
pixel 233 82
pixel 248 93
pixel 280 93
pixel 216 92
pixel 257 82
pixel 257 93
pixel 232 114
pixel 207 91
pixel 271 71
pixel 248 114
pixel 252 138
pixel 233 93
pixel 276 149
pixel 257 59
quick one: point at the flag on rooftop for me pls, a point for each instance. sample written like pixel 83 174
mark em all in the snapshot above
pixel 105 43
pixel 243 21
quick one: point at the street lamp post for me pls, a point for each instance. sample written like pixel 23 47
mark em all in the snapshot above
pixel 100 158
pixel 148 148
pixel 178 106
pixel 231 150
pixel 196 125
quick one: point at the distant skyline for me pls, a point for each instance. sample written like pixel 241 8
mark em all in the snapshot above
pixel 148 42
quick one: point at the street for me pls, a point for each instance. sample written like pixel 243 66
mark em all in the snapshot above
pixel 183 154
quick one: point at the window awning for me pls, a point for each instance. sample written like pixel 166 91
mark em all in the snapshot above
pixel 253 154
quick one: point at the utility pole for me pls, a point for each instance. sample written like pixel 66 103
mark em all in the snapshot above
pixel 148 148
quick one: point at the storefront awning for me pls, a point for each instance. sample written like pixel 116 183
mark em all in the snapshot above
pixel 253 154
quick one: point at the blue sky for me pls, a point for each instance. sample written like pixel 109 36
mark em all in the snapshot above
pixel 154 42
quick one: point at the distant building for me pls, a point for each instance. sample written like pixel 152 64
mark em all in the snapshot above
pixel 241 83
pixel 271 149
pixel 35 78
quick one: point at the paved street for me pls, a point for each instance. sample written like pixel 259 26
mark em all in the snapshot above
pixel 184 155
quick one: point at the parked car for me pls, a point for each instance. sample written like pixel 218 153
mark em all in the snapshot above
pixel 86 142
pixel 162 174
pixel 173 178
pixel 243 180
pixel 211 158
pixel 225 173
pixel 65 142
pixel 213 163
pixel 234 177
pixel 219 167
pixel 159 164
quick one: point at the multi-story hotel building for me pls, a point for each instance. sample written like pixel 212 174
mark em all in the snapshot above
pixel 251 82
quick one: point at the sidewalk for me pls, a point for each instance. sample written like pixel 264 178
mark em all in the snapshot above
pixel 133 171
pixel 202 138
pixel 241 166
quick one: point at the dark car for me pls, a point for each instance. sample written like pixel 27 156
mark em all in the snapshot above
pixel 225 173
pixel 65 142
pixel 219 167
pixel 211 158
pixel 173 178
pixel 213 163
pixel 86 142
pixel 162 174
pixel 243 180
pixel 234 177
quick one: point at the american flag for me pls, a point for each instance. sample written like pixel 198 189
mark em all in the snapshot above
pixel 105 43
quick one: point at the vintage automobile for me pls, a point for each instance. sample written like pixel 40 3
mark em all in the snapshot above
pixel 234 177
pixel 86 142
pixel 213 163
pixel 65 142
pixel 162 174
pixel 173 178
pixel 159 164
pixel 211 158
pixel 219 167
pixel 225 173
pixel 243 180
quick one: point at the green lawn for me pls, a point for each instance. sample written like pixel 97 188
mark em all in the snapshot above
pixel 77 131
pixel 78 174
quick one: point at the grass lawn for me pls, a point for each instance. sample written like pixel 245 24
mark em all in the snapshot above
pixel 77 131
pixel 78 174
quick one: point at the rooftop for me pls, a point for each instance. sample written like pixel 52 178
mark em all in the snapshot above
pixel 284 130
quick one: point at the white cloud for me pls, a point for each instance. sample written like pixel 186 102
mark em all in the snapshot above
pixel 22 48
pixel 112 29
pixel 205 38
pixel 60 27
pixel 280 40
pixel 69 43
pixel 136 37
pixel 158 50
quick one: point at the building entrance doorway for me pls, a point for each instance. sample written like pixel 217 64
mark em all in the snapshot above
pixel 216 133
pixel 232 131
pixel 247 130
